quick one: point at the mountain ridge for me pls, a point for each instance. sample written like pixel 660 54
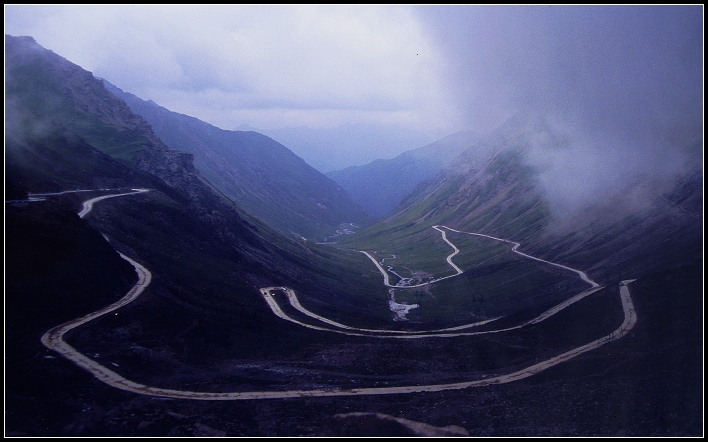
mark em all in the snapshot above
pixel 205 324
pixel 260 174
pixel 380 185
pixel 329 149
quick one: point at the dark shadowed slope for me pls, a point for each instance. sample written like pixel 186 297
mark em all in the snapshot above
pixel 203 325
pixel 258 173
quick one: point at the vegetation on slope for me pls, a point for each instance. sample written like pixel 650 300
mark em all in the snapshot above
pixel 258 173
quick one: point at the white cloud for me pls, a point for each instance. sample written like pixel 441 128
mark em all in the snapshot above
pixel 263 65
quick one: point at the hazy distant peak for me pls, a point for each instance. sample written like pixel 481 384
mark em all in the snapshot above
pixel 243 127
pixel 24 40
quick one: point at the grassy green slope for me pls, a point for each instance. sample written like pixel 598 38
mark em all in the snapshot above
pixel 500 197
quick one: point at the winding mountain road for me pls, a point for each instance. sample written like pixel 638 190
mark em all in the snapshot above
pixel 455 251
pixel 459 271
pixel 88 205
pixel 268 292
pixel 582 274
pixel 53 339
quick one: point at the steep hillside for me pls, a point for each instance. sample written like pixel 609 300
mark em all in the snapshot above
pixel 489 185
pixel 216 344
pixel 639 226
pixel 54 110
pixel 379 186
pixel 258 173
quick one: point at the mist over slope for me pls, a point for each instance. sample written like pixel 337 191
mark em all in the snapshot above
pixel 622 88
pixel 203 324
pixel 258 173
pixel 529 182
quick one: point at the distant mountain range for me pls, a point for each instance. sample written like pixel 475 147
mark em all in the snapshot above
pixel 258 173
pixel 379 186
pixel 328 149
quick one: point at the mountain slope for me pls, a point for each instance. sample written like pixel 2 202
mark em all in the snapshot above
pixel 203 325
pixel 334 148
pixel 485 181
pixel 500 194
pixel 258 173
pixel 64 129
pixel 55 108
pixel 379 186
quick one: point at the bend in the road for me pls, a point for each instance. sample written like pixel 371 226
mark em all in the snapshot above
pixel 515 246
pixel 88 205
pixel 53 339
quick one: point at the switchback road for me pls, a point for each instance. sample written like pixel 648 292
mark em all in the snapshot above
pixel 268 293
pixel 53 339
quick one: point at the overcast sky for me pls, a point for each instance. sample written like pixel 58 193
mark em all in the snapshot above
pixel 266 66
pixel 620 82
pixel 432 67
pixel 623 85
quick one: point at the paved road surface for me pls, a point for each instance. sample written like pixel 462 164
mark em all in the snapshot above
pixel 88 205
pixel 53 339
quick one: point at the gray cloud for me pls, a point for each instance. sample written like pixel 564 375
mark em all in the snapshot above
pixel 605 64
pixel 623 84
pixel 369 63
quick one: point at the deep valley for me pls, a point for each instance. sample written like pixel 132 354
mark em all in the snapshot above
pixel 465 304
